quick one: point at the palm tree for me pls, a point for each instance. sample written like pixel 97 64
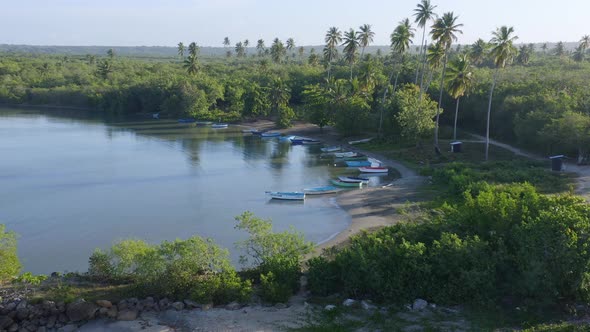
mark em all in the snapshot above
pixel 111 53
pixel 277 51
pixel 524 54
pixel 434 56
pixel 478 51
pixel 585 42
pixel 579 54
pixel 191 64
pixel 181 50
pixel 459 79
pixel 444 31
pixel 351 45
pixel 544 48
pixel 193 49
pixel 333 39
pixel 226 42
pixel 260 47
pixel 423 14
pixel 290 44
pixel 240 50
pixel 559 49
pixel 400 38
pixel 365 35
pixel 301 52
pixel 503 52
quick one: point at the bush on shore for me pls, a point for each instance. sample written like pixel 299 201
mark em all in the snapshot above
pixel 9 262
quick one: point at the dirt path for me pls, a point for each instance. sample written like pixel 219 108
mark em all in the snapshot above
pixel 582 172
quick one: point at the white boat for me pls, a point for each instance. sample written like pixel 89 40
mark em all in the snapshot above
pixel 321 190
pixel 331 149
pixel 345 154
pixel 360 141
pixel 249 131
pixel 219 125
pixel 373 169
pixel 351 179
pixel 287 195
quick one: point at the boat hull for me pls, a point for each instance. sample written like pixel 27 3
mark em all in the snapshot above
pixel 373 169
pixel 219 125
pixel 187 120
pixel 347 184
pixel 288 196
pixel 331 149
pixel 345 154
pixel 352 179
pixel 321 190
pixel 358 163
pixel 270 134
pixel 360 141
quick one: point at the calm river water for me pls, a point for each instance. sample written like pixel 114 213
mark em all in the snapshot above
pixel 70 185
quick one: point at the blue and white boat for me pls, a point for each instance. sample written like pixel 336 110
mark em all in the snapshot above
pixel 321 190
pixel 186 120
pixel 352 179
pixel 203 123
pixel 358 163
pixel 331 149
pixel 310 142
pixel 345 154
pixel 219 125
pixel 270 134
pixel 287 195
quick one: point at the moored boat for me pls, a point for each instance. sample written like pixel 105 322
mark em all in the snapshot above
pixel 373 169
pixel 249 131
pixel 203 123
pixel 360 141
pixel 331 149
pixel 345 154
pixel 219 125
pixel 270 134
pixel 310 142
pixel 186 120
pixel 359 163
pixel 287 195
pixel 352 179
pixel 321 190
pixel 347 184
pixel 359 158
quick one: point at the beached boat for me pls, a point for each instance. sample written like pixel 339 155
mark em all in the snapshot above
pixel 345 154
pixel 359 163
pixel 321 190
pixel 270 134
pixel 186 120
pixel 360 141
pixel 353 179
pixel 219 125
pixel 203 123
pixel 331 149
pixel 310 142
pixel 373 169
pixel 347 184
pixel 249 131
pixel 287 195
pixel 359 158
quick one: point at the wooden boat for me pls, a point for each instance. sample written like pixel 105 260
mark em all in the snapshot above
pixel 358 163
pixel 345 154
pixel 219 125
pixel 321 190
pixel 203 123
pixel 373 169
pixel 360 141
pixel 287 195
pixel 186 120
pixel 347 184
pixel 359 158
pixel 270 134
pixel 352 179
pixel 331 149
pixel 310 142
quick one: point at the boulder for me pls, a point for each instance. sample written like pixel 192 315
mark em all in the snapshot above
pixel 233 306
pixel 122 305
pixel 112 312
pixel 10 306
pixel 22 305
pixel 127 315
pixel 81 310
pixel 13 328
pixel 178 306
pixel 148 303
pixel 42 329
pixel 366 305
pixel 349 302
pixel 48 305
pixel 190 304
pixel 163 303
pixel 62 318
pixel 104 304
pixel 22 314
pixel 419 304
pixel 51 321
pixel 5 322
pixel 329 307
pixel 103 312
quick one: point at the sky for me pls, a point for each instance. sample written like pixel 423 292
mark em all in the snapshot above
pixel 207 22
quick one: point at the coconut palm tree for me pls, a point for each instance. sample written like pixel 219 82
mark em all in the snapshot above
pixel 579 54
pixel 400 39
pixel 503 52
pixel 524 54
pixel 246 44
pixel 559 49
pixel 585 42
pixel 226 42
pixel 301 52
pixel 351 45
pixel 459 79
pixel 111 53
pixel 332 39
pixel 544 48
pixel 193 49
pixel 434 56
pixel 365 35
pixel 478 51
pixel 181 50
pixel 444 31
pixel 423 13
pixel 240 50
pixel 277 51
pixel 191 64
pixel 260 47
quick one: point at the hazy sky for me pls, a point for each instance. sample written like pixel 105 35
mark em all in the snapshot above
pixel 166 22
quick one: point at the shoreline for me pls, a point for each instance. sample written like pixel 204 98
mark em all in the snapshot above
pixel 368 209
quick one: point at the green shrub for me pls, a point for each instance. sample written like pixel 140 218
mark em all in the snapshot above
pixel 9 263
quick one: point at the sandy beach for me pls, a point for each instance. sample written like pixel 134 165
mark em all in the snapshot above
pixel 369 208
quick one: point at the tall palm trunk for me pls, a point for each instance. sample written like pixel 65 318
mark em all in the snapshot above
pixel 362 53
pixel 423 70
pixel 420 56
pixel 490 111
pixel 383 102
pixel 351 64
pixel 456 115
pixel 442 81
pixel 329 65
